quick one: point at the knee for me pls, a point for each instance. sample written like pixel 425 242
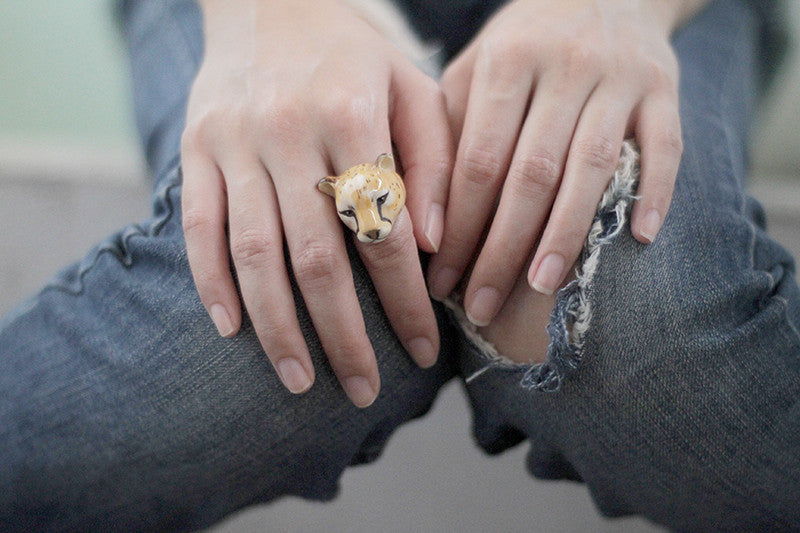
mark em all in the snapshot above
pixel 689 390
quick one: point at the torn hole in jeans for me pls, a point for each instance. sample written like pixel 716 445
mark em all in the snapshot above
pixel 571 316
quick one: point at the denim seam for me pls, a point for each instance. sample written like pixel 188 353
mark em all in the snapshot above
pixel 118 245
pixel 572 314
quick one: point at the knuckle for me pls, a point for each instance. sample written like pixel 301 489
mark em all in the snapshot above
pixel 503 70
pixel 535 174
pixel 251 248
pixel 195 221
pixel 387 254
pixel 348 117
pixel 577 58
pixel 315 264
pixel 598 153
pixel 281 122
pixel 507 51
pixel 481 166
pixel 283 114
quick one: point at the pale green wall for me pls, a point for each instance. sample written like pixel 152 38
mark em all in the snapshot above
pixel 63 73
pixel 63 77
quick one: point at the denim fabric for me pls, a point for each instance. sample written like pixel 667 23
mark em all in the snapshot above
pixel 121 407
pixel 166 44
pixel 686 405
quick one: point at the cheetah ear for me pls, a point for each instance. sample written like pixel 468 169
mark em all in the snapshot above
pixel 385 163
pixel 326 185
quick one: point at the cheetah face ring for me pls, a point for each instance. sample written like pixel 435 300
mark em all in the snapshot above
pixel 369 197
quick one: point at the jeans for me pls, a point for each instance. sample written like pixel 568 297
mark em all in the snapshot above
pixel 121 407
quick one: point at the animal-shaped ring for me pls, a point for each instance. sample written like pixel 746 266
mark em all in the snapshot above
pixel 368 197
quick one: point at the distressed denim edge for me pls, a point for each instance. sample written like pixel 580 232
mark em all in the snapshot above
pixel 571 316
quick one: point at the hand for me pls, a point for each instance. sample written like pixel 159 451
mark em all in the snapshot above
pixel 540 103
pixel 289 92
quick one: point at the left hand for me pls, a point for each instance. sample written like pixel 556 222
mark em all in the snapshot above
pixel 540 103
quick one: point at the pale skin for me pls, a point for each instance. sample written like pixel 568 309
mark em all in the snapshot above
pixel 291 91
pixel 540 103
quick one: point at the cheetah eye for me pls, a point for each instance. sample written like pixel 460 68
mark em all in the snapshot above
pixel 382 199
pixel 348 213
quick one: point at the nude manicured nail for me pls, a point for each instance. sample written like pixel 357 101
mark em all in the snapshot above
pixel 651 223
pixel 442 282
pixel 359 391
pixel 484 306
pixel 422 351
pixel 549 274
pixel 434 226
pixel 222 320
pixel 293 375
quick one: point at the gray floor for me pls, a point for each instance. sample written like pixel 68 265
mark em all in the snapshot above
pixel 431 477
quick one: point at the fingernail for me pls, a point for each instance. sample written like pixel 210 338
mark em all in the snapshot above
pixel 442 282
pixel 422 352
pixel 293 375
pixel 484 306
pixel 549 274
pixel 651 223
pixel 359 391
pixel 434 226
pixel 222 320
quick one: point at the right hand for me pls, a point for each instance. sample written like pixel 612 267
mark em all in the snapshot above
pixel 291 91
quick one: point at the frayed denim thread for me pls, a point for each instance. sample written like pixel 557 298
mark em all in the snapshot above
pixel 572 314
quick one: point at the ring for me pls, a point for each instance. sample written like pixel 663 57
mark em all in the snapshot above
pixel 368 197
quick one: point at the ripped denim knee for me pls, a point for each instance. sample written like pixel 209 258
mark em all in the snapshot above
pixel 571 316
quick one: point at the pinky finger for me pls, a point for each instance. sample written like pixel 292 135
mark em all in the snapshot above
pixel 204 210
pixel 659 135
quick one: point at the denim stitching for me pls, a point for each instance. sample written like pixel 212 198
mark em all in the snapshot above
pixel 118 244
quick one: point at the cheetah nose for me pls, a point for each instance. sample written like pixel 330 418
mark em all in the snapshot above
pixel 373 234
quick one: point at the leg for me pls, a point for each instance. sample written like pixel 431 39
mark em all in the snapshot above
pixel 121 405
pixel 684 405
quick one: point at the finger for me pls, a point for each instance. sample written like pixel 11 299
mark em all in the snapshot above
pixel 528 193
pixel 592 158
pixel 322 270
pixel 423 140
pixel 659 135
pixel 407 304
pixel 204 218
pixel 498 98
pixel 455 85
pixel 256 245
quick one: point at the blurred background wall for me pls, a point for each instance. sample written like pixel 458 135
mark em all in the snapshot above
pixel 64 91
